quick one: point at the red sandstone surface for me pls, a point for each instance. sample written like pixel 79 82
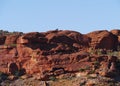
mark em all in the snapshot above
pixel 59 52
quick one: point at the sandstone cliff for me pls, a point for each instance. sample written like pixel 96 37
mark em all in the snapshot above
pixel 60 52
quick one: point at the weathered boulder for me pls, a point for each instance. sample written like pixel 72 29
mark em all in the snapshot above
pixel 103 39
pixel 24 51
pixel 11 39
pixel 27 43
pixel 35 37
pixel 79 38
pixel 58 38
pixel 117 33
pixel 20 40
pixel 68 37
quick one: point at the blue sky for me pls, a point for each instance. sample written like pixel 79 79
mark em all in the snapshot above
pixel 43 15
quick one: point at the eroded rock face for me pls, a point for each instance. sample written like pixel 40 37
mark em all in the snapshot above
pixel 103 39
pixel 5 60
pixel 24 51
pixel 13 68
pixel 12 39
pixel 117 33
pixel 35 37
pixel 55 53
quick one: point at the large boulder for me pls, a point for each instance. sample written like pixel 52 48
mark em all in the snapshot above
pixel 69 36
pixel 24 51
pixel 117 33
pixel 20 40
pixel 35 37
pixel 79 38
pixel 11 39
pixel 59 38
pixel 103 39
pixel 29 42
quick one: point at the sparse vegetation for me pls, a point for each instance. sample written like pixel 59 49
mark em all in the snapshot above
pixel 11 45
pixel 87 68
pixel 81 69
pixel 109 52
pixel 91 51
pixel 96 64
pixel 3 32
pixel 84 69
pixel 90 77
pixel 3 76
pixel 100 52
pixel 92 71
pixel 53 78
pixel 19 73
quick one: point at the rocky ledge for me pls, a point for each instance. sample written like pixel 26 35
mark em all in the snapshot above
pixel 60 54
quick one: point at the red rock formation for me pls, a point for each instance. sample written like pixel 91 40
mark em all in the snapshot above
pixel 117 33
pixel 103 39
pixel 57 52
pixel 11 39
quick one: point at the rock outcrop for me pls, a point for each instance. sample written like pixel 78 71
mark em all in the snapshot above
pixel 58 52
pixel 117 33
pixel 103 40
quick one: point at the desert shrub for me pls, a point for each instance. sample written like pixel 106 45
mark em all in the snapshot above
pixel 99 52
pixel 109 52
pixel 4 32
pixel 96 64
pixel 87 68
pixel 92 71
pixel 84 69
pixel 19 73
pixel 95 51
pixel 91 51
pixel 13 45
pixel 81 69
pixel 90 77
pixel 53 78
pixel 3 76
